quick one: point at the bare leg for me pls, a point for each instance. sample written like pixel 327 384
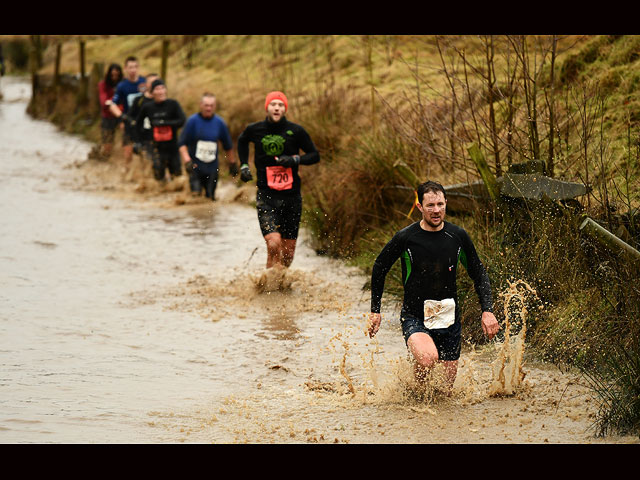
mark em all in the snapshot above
pixel 127 150
pixel 451 370
pixel 274 249
pixel 288 251
pixel 425 355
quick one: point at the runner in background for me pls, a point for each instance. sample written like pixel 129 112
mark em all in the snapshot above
pixel 126 91
pixel 166 117
pixel 109 122
pixel 430 316
pixel 198 146
pixel 143 139
pixel 277 158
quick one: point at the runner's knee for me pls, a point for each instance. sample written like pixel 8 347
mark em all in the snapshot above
pixel 274 242
pixel 426 359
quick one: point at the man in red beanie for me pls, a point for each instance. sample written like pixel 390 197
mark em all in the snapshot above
pixel 277 158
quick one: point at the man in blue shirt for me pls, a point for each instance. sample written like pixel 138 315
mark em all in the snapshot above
pixel 129 88
pixel 198 147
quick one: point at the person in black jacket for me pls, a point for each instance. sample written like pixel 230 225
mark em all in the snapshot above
pixel 278 143
pixel 430 316
pixel 166 117
pixel 143 143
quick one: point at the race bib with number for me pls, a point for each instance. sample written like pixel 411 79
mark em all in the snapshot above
pixel 206 151
pixel 439 313
pixel 279 178
pixel 162 133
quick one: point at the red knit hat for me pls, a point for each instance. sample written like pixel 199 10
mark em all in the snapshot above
pixel 276 96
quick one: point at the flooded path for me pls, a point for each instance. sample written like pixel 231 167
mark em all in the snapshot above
pixel 132 315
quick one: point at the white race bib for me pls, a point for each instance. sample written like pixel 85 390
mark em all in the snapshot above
pixel 439 313
pixel 206 151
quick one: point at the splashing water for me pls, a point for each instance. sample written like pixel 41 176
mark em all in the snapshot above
pixel 508 375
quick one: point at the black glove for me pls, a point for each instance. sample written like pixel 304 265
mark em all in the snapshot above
pixel 233 170
pixel 189 166
pixel 288 161
pixel 126 119
pixel 245 173
pixel 137 148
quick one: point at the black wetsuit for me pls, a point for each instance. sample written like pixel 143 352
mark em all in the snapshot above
pixel 272 140
pixel 278 198
pixel 429 266
pixel 166 118
pixel 144 133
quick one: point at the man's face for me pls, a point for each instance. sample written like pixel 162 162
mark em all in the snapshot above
pixel 208 107
pixel 433 208
pixel 275 110
pixel 131 69
pixel 159 93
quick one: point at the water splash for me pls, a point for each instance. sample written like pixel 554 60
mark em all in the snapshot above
pixel 508 374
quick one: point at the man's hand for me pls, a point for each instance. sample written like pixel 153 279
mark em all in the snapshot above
pixel 245 173
pixel 490 325
pixel 288 161
pixel 233 169
pixel 189 166
pixel 374 323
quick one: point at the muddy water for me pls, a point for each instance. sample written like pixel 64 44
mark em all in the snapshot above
pixel 131 313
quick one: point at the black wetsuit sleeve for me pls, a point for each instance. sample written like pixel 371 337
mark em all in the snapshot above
pixel 139 121
pixel 477 272
pixel 178 118
pixel 385 260
pixel 243 147
pixel 311 154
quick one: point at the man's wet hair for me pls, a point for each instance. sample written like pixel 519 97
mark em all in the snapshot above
pixel 430 186
pixel 130 58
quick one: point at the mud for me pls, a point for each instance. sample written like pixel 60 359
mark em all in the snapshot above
pixel 133 312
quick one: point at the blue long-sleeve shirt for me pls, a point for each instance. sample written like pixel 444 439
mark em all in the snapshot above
pixel 127 91
pixel 201 136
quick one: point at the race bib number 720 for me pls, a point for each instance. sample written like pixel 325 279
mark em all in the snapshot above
pixel 279 178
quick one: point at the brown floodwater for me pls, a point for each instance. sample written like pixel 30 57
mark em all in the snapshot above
pixel 131 313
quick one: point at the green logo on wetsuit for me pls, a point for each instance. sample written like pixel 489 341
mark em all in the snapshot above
pixel 273 144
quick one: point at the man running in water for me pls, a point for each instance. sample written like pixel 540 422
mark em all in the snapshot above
pixel 430 250
pixel 166 117
pixel 198 147
pixel 127 90
pixel 277 159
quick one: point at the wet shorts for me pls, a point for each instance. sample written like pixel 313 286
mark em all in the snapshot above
pixel 128 134
pixel 280 215
pixel 108 128
pixel 447 340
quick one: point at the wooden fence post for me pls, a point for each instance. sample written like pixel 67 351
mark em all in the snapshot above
pixel 83 93
pixel 165 56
